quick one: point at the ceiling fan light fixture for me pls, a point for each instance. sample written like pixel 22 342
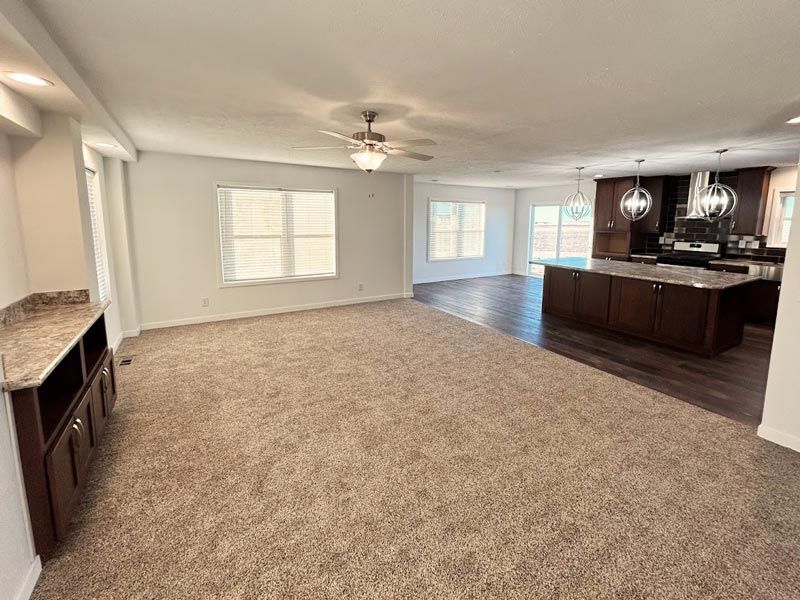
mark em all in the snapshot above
pixel 368 158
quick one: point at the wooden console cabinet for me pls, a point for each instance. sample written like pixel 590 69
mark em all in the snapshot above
pixel 59 425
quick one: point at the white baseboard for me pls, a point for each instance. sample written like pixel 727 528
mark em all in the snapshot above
pixel 131 332
pixel 434 279
pixel 26 589
pixel 779 437
pixel 115 344
pixel 408 294
pixel 267 311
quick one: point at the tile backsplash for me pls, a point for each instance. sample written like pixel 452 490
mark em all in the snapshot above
pixel 678 227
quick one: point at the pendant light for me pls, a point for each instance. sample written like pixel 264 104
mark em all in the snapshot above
pixel 637 201
pixel 717 201
pixel 368 158
pixel 578 205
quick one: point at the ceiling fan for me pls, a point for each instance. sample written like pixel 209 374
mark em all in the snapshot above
pixel 372 147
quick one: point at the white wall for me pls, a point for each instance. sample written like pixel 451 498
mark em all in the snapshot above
pixel 174 238
pixel 53 204
pixel 19 565
pixel 94 161
pixel 116 201
pixel 781 420
pixel 499 233
pixel 13 267
pixel 527 197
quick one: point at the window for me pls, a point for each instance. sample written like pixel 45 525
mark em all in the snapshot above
pixel 781 220
pixel 455 229
pixel 98 239
pixel 555 235
pixel 276 234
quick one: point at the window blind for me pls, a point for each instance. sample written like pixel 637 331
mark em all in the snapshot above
pixel 275 234
pixel 96 217
pixel 455 229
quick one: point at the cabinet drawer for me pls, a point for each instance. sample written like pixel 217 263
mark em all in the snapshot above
pixel 67 462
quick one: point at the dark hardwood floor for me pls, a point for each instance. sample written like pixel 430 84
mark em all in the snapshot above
pixel 731 384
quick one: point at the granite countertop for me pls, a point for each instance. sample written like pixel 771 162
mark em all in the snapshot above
pixel 32 347
pixel 690 276
pixel 744 262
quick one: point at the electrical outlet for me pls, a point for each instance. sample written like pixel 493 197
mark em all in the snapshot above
pixel 742 243
pixel 754 244
pixel 203 301
pixel 360 287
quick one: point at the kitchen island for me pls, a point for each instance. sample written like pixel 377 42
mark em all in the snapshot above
pixel 688 308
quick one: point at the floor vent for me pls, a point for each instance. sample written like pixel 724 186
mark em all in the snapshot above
pixel 124 361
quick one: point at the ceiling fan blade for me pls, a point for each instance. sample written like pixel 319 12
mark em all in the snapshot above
pixel 319 147
pixel 407 154
pixel 410 143
pixel 341 136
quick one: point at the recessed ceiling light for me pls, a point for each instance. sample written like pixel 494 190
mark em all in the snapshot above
pixel 104 145
pixel 599 175
pixel 28 79
pixel 794 121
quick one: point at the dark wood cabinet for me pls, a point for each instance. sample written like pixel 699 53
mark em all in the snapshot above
pixel 68 461
pixel 559 291
pixel 762 301
pixel 603 205
pixel 59 425
pixel 752 188
pixel 705 321
pixel 653 222
pixel 618 222
pixel 592 296
pixel 633 305
pixel 681 313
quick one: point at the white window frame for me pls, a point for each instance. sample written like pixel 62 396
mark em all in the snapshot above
pixel 775 218
pixel 429 223
pixel 102 260
pixel 221 283
pixel 559 233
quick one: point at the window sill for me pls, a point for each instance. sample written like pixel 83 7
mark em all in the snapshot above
pixel 436 260
pixel 251 282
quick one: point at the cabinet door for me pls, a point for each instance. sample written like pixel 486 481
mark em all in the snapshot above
pixel 67 462
pixel 752 188
pixel 681 314
pixel 618 222
pixel 560 291
pixel 762 301
pixel 100 410
pixel 603 205
pixel 652 222
pixel 592 296
pixel 633 305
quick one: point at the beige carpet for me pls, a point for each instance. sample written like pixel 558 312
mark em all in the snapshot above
pixel 390 450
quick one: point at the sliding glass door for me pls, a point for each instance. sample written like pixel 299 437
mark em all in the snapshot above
pixel 555 235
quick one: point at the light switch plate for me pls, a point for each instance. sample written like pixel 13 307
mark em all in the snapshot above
pixel 753 244
pixel 742 243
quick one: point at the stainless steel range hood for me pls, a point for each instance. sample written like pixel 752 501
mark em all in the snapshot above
pixel 698 181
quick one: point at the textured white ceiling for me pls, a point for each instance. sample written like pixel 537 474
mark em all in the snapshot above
pixel 526 88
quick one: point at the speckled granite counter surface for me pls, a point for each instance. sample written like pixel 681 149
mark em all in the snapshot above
pixel 699 278
pixel 33 346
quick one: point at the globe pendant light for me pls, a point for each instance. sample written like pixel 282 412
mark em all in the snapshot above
pixel 578 205
pixel 368 158
pixel 637 201
pixel 717 201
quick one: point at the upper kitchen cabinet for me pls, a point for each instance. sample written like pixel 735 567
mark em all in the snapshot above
pixel 607 215
pixel 752 187
pixel 653 222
